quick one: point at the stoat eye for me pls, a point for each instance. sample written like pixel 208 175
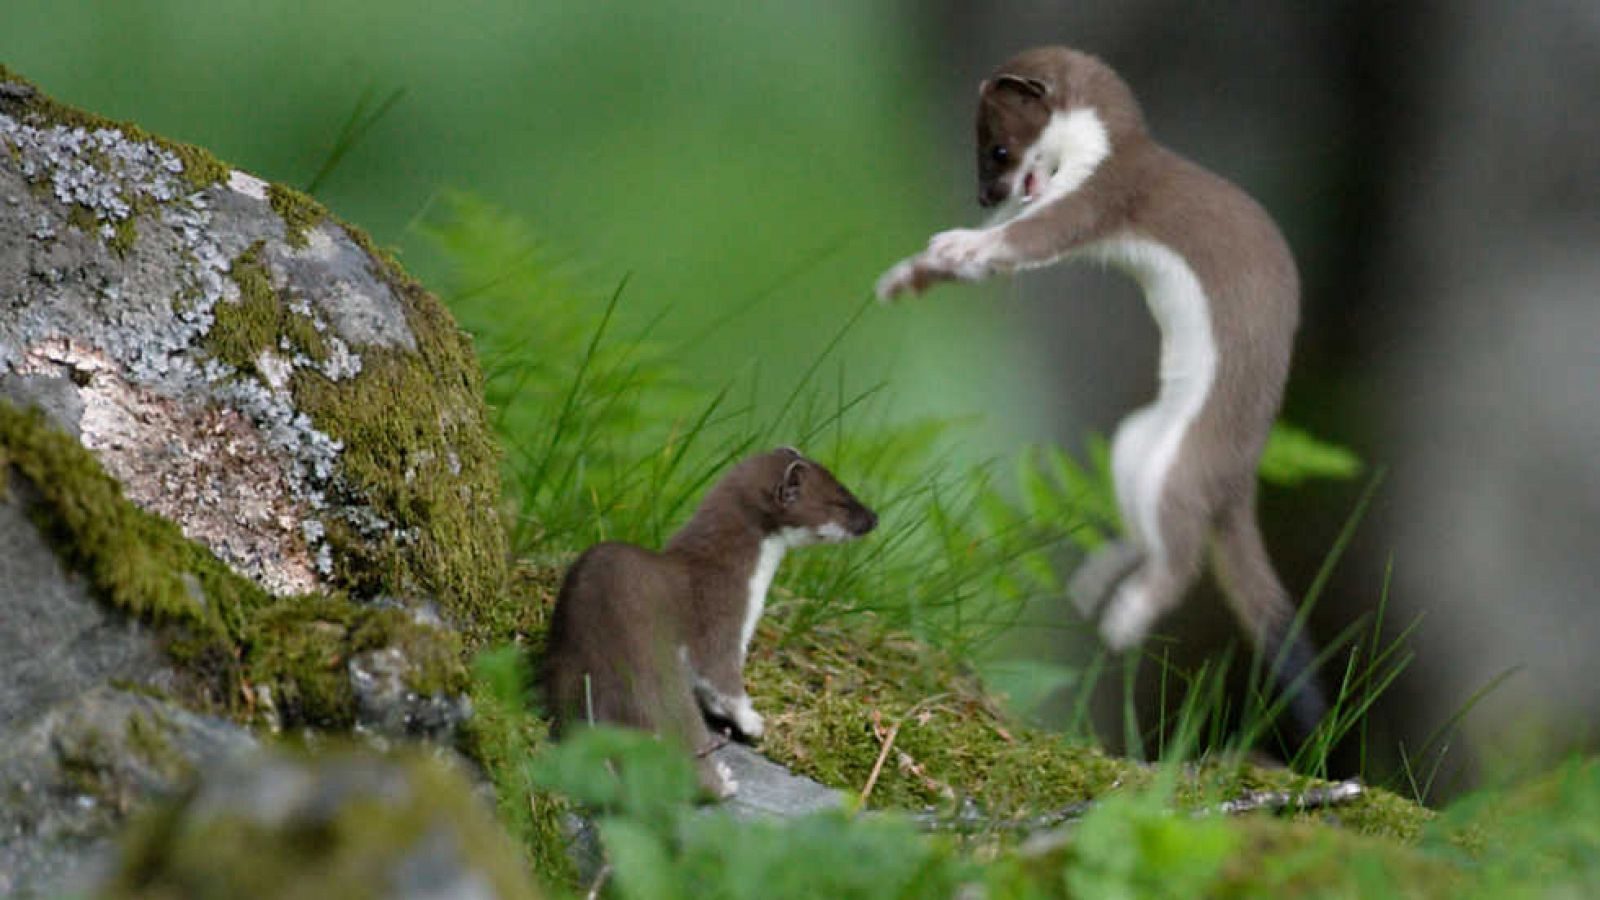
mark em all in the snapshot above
pixel 999 153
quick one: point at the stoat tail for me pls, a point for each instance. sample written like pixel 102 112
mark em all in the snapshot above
pixel 1268 614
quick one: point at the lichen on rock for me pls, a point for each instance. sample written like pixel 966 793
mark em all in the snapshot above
pixel 223 359
pixel 302 411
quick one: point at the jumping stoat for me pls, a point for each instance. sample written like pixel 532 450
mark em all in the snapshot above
pixel 658 640
pixel 1063 151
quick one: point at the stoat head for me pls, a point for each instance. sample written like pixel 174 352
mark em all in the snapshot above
pixel 1047 119
pixel 801 500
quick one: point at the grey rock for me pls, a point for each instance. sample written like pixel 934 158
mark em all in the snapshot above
pixel 72 776
pixel 55 640
pixel 386 704
pixel 56 397
pixel 768 789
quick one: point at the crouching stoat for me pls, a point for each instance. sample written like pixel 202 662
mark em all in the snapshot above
pixel 1063 151
pixel 658 640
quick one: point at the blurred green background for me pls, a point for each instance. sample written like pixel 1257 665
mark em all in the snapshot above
pixel 753 167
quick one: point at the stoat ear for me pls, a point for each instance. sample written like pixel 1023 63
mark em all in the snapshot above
pixel 1027 87
pixel 789 487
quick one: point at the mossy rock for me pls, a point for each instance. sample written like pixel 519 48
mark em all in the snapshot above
pixel 72 776
pixel 342 823
pixel 262 437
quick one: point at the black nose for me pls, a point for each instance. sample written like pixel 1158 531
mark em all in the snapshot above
pixel 990 194
pixel 864 521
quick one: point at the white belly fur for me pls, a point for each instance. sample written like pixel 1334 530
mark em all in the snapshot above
pixel 772 550
pixel 1146 445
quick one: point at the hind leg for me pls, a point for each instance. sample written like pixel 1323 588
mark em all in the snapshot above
pixel 1166 516
pixel 1151 591
pixel 1111 564
pixel 682 721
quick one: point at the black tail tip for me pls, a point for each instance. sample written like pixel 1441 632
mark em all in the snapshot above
pixel 1295 675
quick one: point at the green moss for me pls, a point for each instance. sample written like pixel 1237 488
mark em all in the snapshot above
pixel 200 168
pixel 147 737
pixel 435 656
pixel 260 320
pixel 301 648
pixel 126 232
pixel 303 645
pixel 384 811
pixel 298 211
pixel 426 463
pixel 418 449
pixel 85 764
pixel 831 693
pixel 82 218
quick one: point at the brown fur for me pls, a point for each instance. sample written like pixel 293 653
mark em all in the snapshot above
pixel 653 640
pixel 1141 190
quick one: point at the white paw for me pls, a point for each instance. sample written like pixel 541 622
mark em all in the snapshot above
pixel 748 721
pixel 1127 619
pixel 900 278
pixel 726 785
pixel 1100 574
pixel 966 253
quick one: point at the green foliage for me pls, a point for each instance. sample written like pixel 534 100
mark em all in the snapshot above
pixel 1540 838
pixel 659 846
pixel 503 736
pixel 619 772
pixel 342 824
pixel 822 855
pixel 1292 457
pixel 584 459
pixel 1136 845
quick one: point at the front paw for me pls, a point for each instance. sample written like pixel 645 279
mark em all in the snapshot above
pixel 965 253
pixel 747 720
pixel 900 278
